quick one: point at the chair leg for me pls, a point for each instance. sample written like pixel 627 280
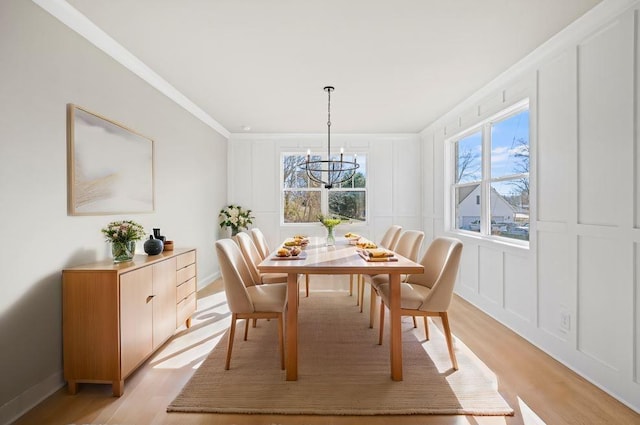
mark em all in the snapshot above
pixel 381 322
pixel 246 327
pixel 361 291
pixel 306 279
pixel 426 328
pixel 447 334
pixel 281 340
pixel 372 307
pixel 415 325
pixel 232 332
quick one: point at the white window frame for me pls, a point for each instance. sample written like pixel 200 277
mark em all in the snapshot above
pixel 484 127
pixel 324 193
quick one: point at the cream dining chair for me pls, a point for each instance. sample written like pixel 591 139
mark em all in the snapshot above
pixel 408 246
pixel 261 242
pixel 390 237
pixel 247 300
pixel 388 241
pixel 263 247
pixel 253 258
pixel 429 293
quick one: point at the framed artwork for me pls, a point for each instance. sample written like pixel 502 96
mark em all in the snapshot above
pixel 109 166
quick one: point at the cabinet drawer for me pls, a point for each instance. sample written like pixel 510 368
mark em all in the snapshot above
pixel 186 273
pixel 186 289
pixel 185 259
pixel 185 309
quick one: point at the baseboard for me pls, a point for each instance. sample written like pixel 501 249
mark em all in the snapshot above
pixel 206 281
pixel 13 409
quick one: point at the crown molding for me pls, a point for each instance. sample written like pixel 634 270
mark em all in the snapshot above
pixel 578 30
pixel 79 23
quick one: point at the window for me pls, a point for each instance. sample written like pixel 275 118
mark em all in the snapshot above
pixel 303 199
pixel 490 179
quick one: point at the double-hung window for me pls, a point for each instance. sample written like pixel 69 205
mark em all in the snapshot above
pixel 303 200
pixel 490 178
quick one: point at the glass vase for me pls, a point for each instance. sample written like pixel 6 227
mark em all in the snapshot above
pixel 123 251
pixel 331 237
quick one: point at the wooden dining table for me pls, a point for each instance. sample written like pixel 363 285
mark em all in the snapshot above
pixel 341 258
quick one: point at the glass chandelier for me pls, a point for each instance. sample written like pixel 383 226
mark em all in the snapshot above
pixel 329 171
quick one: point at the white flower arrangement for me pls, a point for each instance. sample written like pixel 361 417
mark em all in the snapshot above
pixel 236 218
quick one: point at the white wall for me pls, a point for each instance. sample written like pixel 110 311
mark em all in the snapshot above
pixel 44 66
pixel 393 163
pixel 583 259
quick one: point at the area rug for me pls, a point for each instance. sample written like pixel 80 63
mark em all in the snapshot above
pixel 341 371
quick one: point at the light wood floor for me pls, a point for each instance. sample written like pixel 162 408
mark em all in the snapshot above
pixel 541 390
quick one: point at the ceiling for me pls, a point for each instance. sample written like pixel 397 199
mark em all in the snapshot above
pixel 396 65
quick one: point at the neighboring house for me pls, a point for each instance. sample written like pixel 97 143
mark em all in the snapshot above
pixel 468 214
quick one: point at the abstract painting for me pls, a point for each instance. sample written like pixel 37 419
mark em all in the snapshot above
pixel 110 167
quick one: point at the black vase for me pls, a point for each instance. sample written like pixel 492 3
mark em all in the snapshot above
pixel 153 246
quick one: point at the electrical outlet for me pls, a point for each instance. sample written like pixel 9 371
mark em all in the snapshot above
pixel 565 321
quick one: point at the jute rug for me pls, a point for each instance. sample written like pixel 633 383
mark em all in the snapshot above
pixel 341 371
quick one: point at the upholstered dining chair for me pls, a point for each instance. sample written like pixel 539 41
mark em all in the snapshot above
pixel 388 241
pixel 390 237
pixel 408 246
pixel 264 250
pixel 247 300
pixel 261 242
pixel 429 293
pixel 253 258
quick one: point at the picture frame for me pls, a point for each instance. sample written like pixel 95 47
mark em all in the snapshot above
pixel 110 168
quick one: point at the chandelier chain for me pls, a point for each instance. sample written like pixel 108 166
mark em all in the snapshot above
pixel 335 171
pixel 329 89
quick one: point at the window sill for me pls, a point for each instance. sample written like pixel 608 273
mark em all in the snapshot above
pixel 517 246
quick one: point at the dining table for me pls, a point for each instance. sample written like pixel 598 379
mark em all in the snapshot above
pixel 342 258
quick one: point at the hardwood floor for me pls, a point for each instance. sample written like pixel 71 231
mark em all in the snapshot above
pixel 540 389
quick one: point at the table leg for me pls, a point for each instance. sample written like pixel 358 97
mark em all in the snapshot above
pixel 396 327
pixel 291 341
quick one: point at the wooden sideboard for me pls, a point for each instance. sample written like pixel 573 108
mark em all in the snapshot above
pixel 114 316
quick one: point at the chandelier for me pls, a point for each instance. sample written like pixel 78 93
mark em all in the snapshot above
pixel 329 171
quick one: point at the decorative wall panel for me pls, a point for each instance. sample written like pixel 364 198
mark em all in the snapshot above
pixel 263 155
pixel 605 124
pixel 555 293
pixel 382 179
pixel 636 307
pixel 519 287
pixel 604 299
pixel 468 271
pixel 406 157
pixel 427 176
pixel 491 274
pixel 556 138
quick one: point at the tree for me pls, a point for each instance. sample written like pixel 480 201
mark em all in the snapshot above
pixel 468 163
pixel 293 176
pixel 347 204
pixel 521 166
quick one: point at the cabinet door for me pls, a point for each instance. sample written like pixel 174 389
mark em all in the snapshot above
pixel 136 309
pixel 164 301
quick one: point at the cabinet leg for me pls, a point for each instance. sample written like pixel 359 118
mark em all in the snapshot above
pixel 72 386
pixel 188 323
pixel 118 388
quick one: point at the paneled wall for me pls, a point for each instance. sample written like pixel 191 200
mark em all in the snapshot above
pixel 575 291
pixel 393 166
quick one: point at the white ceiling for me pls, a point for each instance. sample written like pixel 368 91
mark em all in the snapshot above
pixel 397 65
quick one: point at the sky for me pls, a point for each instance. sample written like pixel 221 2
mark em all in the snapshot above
pixel 509 138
